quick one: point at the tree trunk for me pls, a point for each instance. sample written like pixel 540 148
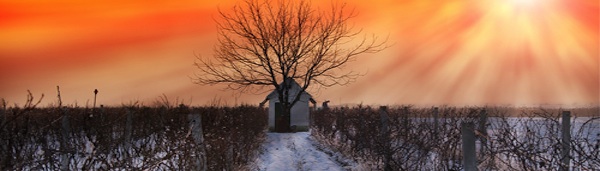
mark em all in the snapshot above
pixel 282 124
pixel 282 118
pixel 287 116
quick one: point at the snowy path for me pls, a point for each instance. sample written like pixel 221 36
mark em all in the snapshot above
pixel 294 151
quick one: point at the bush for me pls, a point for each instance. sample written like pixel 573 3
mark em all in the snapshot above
pixel 157 138
pixel 529 140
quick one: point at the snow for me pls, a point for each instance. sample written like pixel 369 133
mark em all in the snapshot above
pixel 296 151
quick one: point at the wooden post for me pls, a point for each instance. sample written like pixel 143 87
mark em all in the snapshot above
pixel 102 112
pixel 340 125
pixel 405 116
pixel 229 156
pixel 436 122
pixel 482 132
pixel 468 147
pixel 66 129
pixel 566 141
pixel 3 117
pixel 384 118
pixel 5 154
pixel 384 134
pixel 229 153
pixel 128 130
pixel 95 95
pixel 311 110
pixel 362 139
pixel 196 131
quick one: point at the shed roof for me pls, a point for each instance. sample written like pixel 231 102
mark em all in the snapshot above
pixel 294 88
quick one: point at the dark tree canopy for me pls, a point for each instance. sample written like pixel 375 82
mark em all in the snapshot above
pixel 263 42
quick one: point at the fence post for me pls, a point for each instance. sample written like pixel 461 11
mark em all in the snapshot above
pixel 196 130
pixel 468 146
pixel 566 141
pixel 102 113
pixel 482 132
pixel 405 116
pixel 230 144
pixel 436 123
pixel 128 130
pixel 229 156
pixel 3 117
pixel 66 129
pixel 384 134
pixel 5 154
pixel 362 125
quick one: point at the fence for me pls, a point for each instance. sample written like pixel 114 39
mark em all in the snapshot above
pixel 448 138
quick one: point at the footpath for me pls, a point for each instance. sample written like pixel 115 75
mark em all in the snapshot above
pixel 294 151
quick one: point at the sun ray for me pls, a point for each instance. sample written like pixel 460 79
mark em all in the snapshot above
pixel 463 52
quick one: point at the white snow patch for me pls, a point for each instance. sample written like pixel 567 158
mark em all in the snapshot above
pixel 294 151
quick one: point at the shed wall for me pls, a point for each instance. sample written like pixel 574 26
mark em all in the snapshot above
pixel 299 113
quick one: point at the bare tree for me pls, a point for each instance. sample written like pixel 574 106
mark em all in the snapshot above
pixel 263 43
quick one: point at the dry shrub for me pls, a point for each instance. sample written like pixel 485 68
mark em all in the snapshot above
pixel 529 142
pixel 97 139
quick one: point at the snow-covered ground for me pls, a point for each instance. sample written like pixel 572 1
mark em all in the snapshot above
pixel 297 151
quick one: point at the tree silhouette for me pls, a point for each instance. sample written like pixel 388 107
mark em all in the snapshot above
pixel 263 43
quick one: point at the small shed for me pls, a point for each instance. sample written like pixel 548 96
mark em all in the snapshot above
pixel 300 112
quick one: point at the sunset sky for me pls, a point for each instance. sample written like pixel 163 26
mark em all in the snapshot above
pixel 454 52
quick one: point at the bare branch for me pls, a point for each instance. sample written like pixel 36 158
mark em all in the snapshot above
pixel 263 42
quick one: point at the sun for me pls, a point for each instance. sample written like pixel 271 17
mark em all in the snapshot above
pixel 506 52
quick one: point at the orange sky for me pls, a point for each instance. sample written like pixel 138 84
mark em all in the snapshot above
pixel 456 52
